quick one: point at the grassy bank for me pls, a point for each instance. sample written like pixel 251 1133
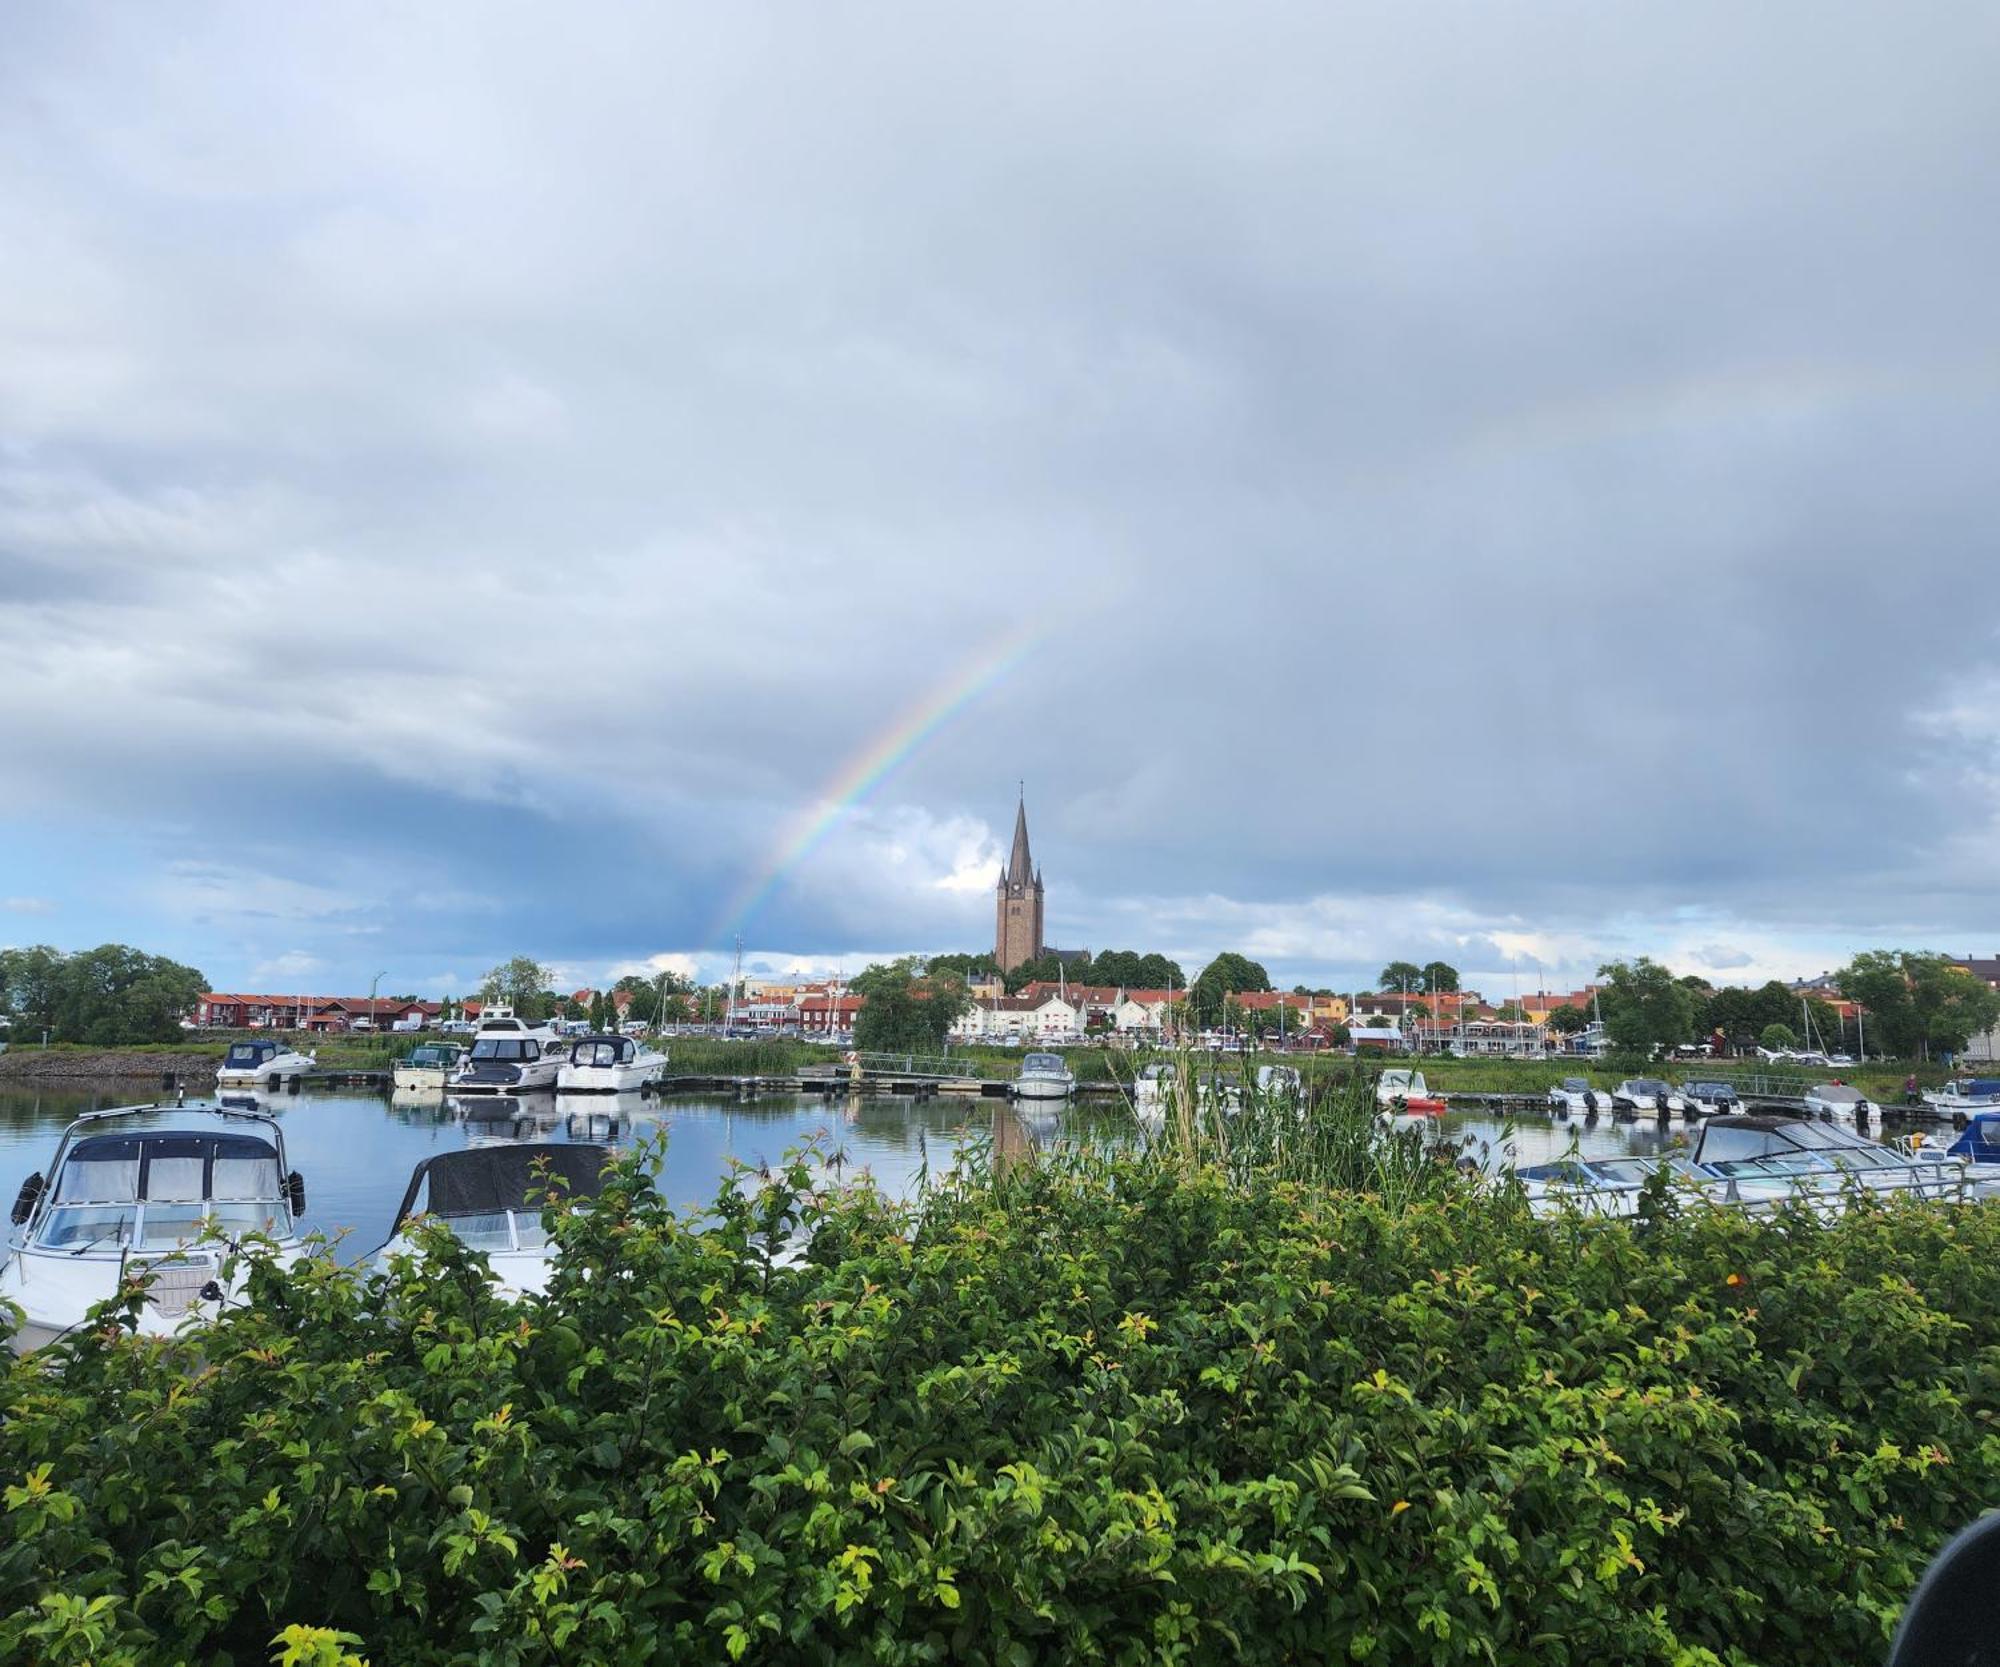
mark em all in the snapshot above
pixel 1194 1402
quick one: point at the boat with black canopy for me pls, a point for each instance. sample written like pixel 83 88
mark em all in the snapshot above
pixel 492 1200
pixel 172 1192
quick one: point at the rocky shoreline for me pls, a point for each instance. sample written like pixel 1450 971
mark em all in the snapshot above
pixel 33 1064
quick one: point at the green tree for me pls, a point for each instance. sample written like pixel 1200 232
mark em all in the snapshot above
pixel 1226 975
pixel 903 1014
pixel 1156 972
pixel 1645 1007
pixel 1918 1003
pixel 1400 975
pixel 1773 1037
pixel 521 984
pixel 108 996
pixel 1440 975
pixel 1569 1021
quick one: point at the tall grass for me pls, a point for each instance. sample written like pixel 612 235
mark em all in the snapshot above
pixel 1327 1132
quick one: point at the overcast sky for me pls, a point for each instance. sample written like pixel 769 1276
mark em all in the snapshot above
pixel 1509 483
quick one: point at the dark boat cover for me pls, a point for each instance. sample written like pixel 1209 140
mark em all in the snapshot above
pixel 482 1179
pixel 1979 1140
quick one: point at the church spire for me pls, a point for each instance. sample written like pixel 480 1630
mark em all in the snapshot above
pixel 1021 866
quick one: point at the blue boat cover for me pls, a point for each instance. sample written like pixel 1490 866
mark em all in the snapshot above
pixel 1979 1140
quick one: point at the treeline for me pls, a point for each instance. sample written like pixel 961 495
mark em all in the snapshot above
pixel 103 997
pixel 1125 967
pixel 1913 1004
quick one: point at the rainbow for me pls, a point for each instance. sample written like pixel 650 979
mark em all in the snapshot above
pixel 870 766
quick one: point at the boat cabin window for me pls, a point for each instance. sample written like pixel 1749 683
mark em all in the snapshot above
pixel 604 1050
pixel 1049 1062
pixel 1576 1085
pixel 242 1054
pixel 506 1049
pixel 431 1054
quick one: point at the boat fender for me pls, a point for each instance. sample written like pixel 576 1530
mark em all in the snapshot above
pixel 1958 1119
pixel 28 1197
pixel 295 1192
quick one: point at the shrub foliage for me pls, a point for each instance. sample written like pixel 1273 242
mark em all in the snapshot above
pixel 1102 1409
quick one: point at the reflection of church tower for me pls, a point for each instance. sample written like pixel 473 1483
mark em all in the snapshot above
pixel 1017 934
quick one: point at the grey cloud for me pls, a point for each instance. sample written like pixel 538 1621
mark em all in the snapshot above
pixel 1537 466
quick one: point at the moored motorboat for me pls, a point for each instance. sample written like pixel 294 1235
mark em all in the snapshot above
pixel 1044 1076
pixel 428 1065
pixel 506 1062
pixel 165 1191
pixel 1961 1097
pixel 259 1063
pixel 607 1063
pixel 1839 1102
pixel 1400 1089
pixel 1646 1094
pixel 492 1199
pixel 1978 1148
pixel 1821 1161
pixel 1574 1094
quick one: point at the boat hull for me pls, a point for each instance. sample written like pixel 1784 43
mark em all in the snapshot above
pixel 1043 1088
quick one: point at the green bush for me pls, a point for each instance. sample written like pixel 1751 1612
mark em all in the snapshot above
pixel 1105 1408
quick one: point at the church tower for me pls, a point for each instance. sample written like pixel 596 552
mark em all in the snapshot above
pixel 1017 933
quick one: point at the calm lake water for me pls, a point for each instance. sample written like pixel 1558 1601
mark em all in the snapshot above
pixel 356 1150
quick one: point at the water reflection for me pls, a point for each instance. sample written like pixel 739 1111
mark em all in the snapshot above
pixel 356 1151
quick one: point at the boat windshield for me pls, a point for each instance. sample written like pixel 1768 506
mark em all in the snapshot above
pixel 1043 1065
pixel 603 1050
pixel 1576 1085
pixel 512 1049
pixel 432 1054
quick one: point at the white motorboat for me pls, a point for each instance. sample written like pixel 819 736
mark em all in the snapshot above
pixel 1821 1161
pixel 506 1062
pixel 1279 1083
pixel 1638 1094
pixel 1963 1097
pixel 1044 1076
pixel 1400 1089
pixel 1153 1087
pixel 1574 1094
pixel 428 1065
pixel 164 1191
pixel 603 1063
pixel 492 1198
pixel 1710 1099
pixel 258 1064
pixel 1840 1102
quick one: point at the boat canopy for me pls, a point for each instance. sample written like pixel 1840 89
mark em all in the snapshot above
pixel 1044 1065
pixel 181 1167
pixel 434 1054
pixel 601 1049
pixel 1979 1140
pixel 1838 1093
pixel 484 1179
pixel 249 1053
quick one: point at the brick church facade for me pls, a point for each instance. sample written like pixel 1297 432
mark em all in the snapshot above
pixel 1017 932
